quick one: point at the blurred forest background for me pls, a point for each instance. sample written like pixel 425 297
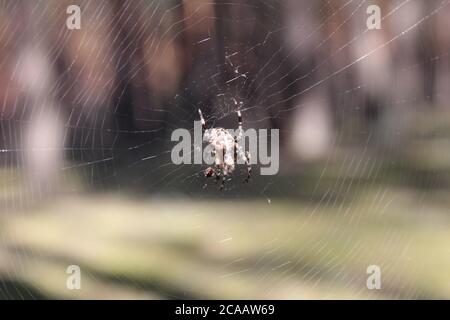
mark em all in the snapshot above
pixel 86 177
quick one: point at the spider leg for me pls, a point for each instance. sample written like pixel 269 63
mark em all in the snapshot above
pixel 204 126
pixel 239 135
pixel 245 157
pixel 249 167
pixel 220 176
pixel 224 169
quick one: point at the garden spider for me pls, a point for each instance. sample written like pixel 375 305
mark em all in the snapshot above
pixel 226 150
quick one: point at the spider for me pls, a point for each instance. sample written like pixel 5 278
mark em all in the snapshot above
pixel 226 151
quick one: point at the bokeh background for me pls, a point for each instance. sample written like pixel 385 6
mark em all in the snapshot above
pixel 86 177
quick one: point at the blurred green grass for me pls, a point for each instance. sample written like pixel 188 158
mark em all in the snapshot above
pixel 164 248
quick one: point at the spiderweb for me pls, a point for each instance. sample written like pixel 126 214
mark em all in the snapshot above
pixel 93 109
